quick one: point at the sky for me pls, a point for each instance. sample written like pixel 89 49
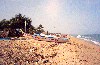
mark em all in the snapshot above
pixel 62 16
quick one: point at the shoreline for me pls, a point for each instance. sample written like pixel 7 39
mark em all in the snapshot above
pixel 88 41
pixel 87 53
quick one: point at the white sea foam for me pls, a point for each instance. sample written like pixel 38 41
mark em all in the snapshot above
pixel 95 42
pixel 88 39
pixel 79 36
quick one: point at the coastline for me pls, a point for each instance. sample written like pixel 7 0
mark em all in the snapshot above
pixel 87 53
pixel 74 52
pixel 73 39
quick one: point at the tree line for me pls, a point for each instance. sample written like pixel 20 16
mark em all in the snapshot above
pixel 18 22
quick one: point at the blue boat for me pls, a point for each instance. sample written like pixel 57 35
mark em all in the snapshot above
pixel 4 38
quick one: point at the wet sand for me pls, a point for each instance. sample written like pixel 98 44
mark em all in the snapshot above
pixel 33 52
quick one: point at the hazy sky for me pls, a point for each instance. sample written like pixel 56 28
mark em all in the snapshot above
pixel 65 16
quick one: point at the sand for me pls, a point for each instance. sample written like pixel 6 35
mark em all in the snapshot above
pixel 87 53
pixel 33 52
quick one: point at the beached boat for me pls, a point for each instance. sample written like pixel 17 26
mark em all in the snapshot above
pixel 61 40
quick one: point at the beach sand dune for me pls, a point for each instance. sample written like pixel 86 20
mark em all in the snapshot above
pixel 33 52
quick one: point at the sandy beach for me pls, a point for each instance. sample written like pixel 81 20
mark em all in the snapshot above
pixel 33 52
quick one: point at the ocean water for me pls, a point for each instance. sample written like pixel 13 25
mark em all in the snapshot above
pixel 95 38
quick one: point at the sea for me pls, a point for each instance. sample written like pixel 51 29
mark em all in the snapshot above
pixel 95 38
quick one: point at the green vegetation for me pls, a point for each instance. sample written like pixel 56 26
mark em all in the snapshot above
pixel 18 22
